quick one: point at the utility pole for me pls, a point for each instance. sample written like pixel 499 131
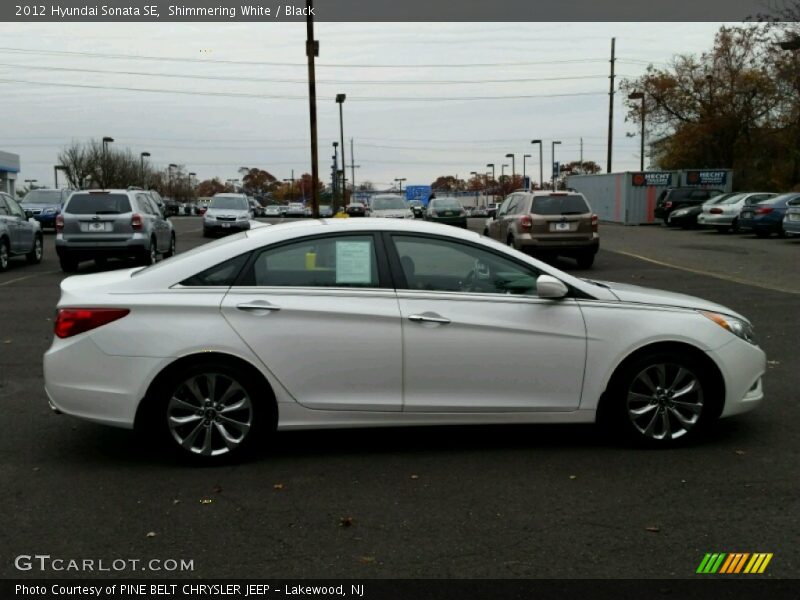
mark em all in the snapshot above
pixel 312 51
pixel 581 165
pixel 353 167
pixel 335 189
pixel 611 105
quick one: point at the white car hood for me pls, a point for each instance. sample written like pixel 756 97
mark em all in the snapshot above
pixel 642 295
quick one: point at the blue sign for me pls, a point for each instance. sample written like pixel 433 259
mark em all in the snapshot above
pixel 418 192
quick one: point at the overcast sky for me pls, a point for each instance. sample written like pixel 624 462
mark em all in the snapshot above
pixel 399 127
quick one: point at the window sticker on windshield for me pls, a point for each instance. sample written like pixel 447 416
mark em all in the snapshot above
pixel 353 262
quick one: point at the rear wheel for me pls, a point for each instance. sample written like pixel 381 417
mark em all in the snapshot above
pixel 211 412
pixel 762 234
pixel 35 255
pixel 735 226
pixel 68 263
pixel 510 241
pixel 151 255
pixel 5 253
pixel 662 399
pixel 723 229
pixel 585 260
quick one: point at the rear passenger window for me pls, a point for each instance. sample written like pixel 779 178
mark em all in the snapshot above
pixel 341 261
pixel 223 274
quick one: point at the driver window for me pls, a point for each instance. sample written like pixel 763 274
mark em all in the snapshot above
pixel 15 208
pixel 438 265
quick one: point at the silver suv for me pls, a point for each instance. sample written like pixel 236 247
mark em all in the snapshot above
pixel 102 224
pixel 18 234
pixel 227 213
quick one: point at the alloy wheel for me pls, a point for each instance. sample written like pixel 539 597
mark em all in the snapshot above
pixel 37 249
pixel 210 414
pixel 665 401
pixel 3 256
pixel 153 253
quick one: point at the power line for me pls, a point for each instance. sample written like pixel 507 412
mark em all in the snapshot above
pixel 290 64
pixel 301 81
pixel 286 97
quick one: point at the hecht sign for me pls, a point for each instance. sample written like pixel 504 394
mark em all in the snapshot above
pixel 656 178
pixel 706 177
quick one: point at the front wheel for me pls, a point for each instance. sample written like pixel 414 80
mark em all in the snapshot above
pixel 5 253
pixel 35 255
pixel 68 264
pixel 662 399
pixel 171 252
pixel 723 229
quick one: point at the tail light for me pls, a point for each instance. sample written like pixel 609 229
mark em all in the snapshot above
pixel 668 204
pixel 715 211
pixel 525 222
pixel 764 210
pixel 595 222
pixel 72 321
pixel 136 222
pixel 59 223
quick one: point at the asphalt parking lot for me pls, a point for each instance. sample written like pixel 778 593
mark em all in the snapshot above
pixel 493 502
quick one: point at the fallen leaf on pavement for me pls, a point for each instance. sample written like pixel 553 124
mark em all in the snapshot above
pixel 217 489
pixel 740 452
pixel 346 522
pixel 653 528
pixel 277 486
pixel 415 477
pixel 367 559
pixel 206 500
pixel 151 534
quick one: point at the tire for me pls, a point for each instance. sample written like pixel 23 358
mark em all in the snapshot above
pixel 192 425
pixel 485 233
pixel 206 233
pixel 685 395
pixel 68 264
pixel 735 226
pixel 585 260
pixel 35 255
pixel 762 234
pixel 150 257
pixel 723 229
pixel 171 252
pixel 510 241
pixel 5 255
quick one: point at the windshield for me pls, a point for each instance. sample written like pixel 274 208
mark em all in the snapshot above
pixel 560 205
pixel 98 204
pixel 447 203
pixel 388 203
pixel 229 203
pixel 42 197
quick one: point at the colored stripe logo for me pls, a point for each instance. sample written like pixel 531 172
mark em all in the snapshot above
pixel 734 563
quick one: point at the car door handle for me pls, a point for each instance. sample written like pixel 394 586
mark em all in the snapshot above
pixel 258 306
pixel 428 318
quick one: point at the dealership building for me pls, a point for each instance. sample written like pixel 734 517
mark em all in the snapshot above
pixel 9 168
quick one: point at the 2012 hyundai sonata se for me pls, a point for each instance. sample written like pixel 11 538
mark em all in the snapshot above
pixel 381 322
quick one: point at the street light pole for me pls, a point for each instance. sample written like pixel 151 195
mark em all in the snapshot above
pixel 106 141
pixel 340 98
pixel 312 51
pixel 142 156
pixel 513 169
pixel 494 184
pixel 640 96
pixel 55 172
pixel 335 176
pixel 524 173
pixel 503 179
pixel 541 163
pixel 553 152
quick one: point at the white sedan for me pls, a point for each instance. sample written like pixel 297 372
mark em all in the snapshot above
pixel 384 322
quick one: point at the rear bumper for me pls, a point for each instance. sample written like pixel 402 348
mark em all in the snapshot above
pixel 88 250
pixel 715 220
pixel 527 243
pixel 456 221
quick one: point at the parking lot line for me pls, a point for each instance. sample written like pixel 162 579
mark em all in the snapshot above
pixel 707 273
pixel 10 281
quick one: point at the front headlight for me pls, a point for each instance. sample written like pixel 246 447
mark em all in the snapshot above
pixel 208 217
pixel 680 213
pixel 739 328
pixel 48 211
pixel 243 217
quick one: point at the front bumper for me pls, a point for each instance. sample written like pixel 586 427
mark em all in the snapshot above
pixel 225 226
pixel 742 365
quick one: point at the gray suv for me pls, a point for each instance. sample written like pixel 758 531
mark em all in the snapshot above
pixel 19 235
pixel 102 224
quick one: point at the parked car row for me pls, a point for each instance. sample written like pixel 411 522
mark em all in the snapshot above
pixel 761 213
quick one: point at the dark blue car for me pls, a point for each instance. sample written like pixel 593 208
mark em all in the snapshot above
pixel 44 205
pixel 766 217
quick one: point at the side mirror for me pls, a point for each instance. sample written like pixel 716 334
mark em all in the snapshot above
pixel 548 286
pixel 31 220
